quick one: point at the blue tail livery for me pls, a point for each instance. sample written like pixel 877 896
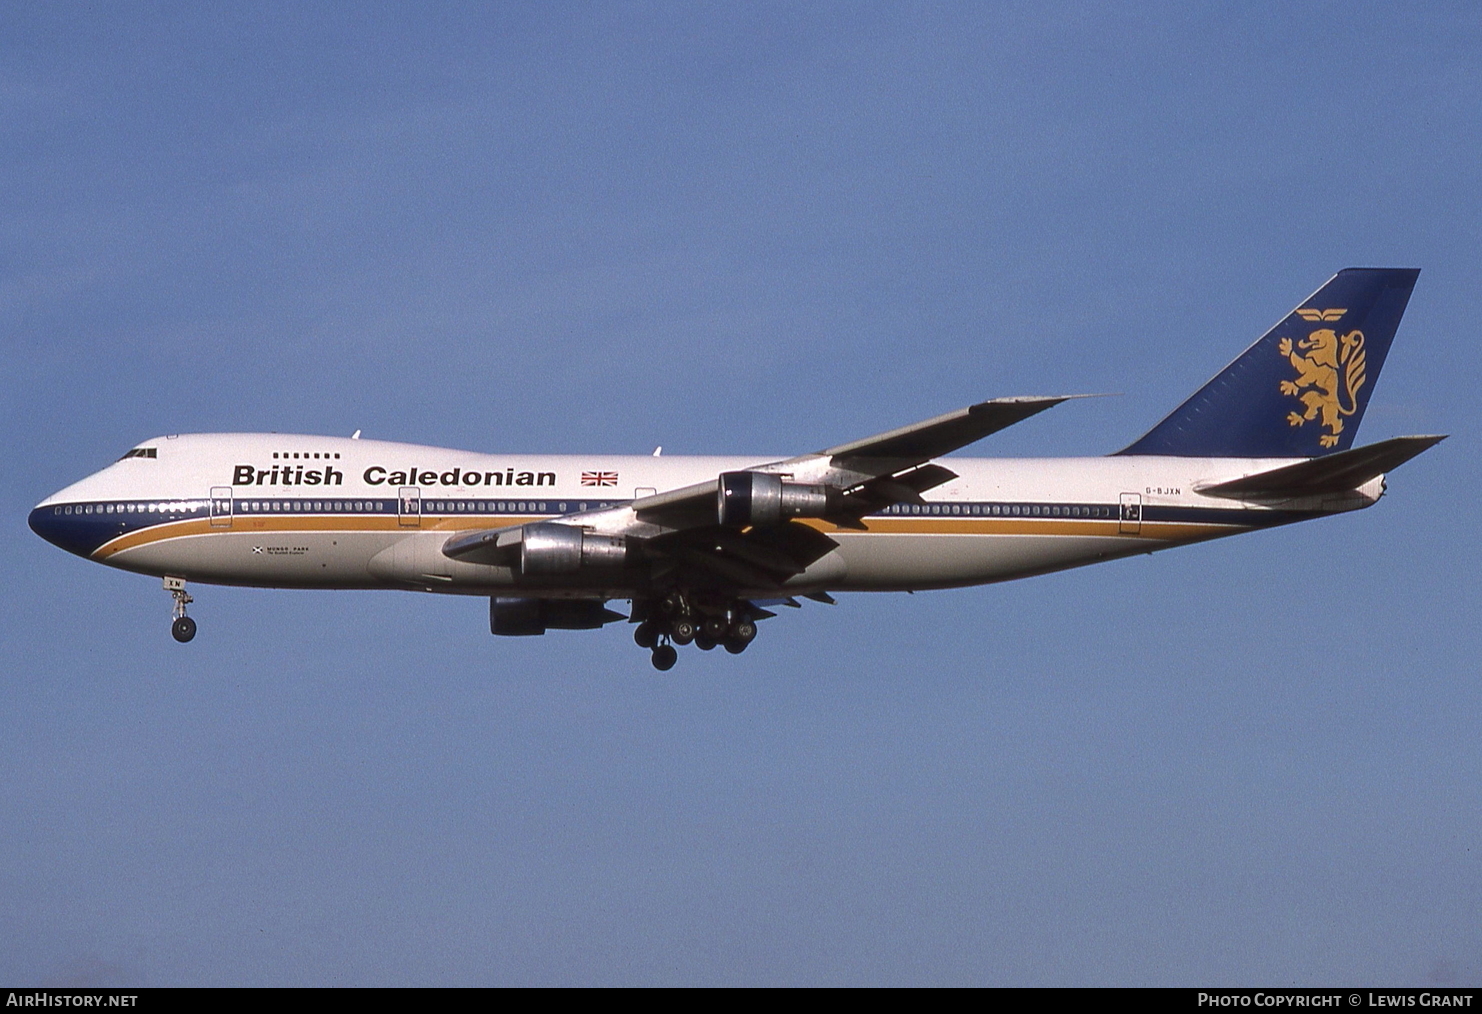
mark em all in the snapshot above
pixel 1300 391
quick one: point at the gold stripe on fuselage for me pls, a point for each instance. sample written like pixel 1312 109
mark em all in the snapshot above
pixel 253 523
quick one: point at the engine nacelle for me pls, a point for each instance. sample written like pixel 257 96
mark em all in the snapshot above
pixel 530 617
pixel 757 498
pixel 563 549
pixel 516 617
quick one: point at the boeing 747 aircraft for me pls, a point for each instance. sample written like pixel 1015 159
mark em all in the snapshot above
pixel 704 547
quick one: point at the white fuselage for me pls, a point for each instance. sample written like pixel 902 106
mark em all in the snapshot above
pixel 275 510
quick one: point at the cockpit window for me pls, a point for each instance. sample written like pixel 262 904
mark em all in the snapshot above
pixel 141 452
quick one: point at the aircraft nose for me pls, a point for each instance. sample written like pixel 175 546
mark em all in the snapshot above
pixel 66 527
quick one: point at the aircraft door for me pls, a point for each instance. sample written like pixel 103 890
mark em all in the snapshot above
pixel 409 507
pixel 1131 515
pixel 221 506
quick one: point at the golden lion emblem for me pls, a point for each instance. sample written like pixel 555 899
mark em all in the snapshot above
pixel 1332 372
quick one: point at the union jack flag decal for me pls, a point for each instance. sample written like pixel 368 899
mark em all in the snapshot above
pixel 599 478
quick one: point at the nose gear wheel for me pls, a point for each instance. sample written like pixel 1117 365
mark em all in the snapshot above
pixel 182 627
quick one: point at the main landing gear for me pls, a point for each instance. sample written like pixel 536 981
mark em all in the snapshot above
pixel 183 628
pixel 678 618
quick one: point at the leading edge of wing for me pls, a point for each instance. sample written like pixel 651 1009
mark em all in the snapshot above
pixel 945 433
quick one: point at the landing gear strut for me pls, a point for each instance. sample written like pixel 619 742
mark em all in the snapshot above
pixel 183 628
pixel 678 619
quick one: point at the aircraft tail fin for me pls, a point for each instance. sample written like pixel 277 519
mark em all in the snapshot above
pixel 1300 391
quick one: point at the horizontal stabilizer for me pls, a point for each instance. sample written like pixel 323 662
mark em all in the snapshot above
pixel 1334 473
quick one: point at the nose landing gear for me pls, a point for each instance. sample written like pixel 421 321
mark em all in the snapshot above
pixel 183 628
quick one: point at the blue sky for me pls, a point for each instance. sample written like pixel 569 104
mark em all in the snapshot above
pixel 737 229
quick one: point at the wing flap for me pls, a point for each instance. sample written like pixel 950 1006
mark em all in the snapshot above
pixel 905 487
pixel 755 557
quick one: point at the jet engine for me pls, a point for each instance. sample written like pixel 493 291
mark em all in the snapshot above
pixel 564 549
pixel 757 498
pixel 509 617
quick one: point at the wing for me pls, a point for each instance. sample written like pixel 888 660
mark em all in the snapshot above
pixel 867 474
pixel 686 537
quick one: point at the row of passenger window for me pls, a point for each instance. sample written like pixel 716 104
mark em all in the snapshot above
pixel 315 506
pixel 558 507
pixel 507 506
pixel 976 510
pixel 173 507
pixel 1016 510
pixel 323 506
pixel 429 506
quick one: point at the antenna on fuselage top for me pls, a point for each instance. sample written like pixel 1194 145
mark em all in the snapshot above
pixel 355 435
